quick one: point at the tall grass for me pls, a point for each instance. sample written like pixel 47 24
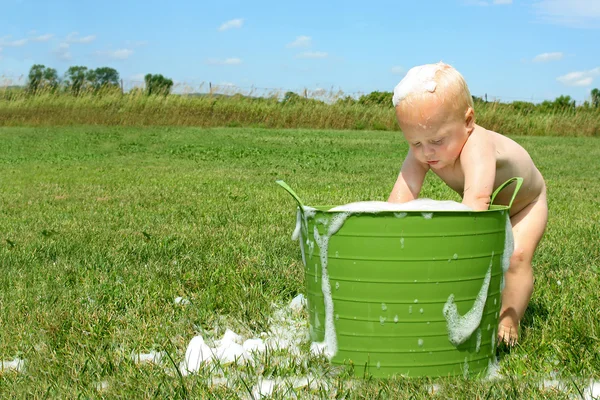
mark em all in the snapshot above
pixel 136 109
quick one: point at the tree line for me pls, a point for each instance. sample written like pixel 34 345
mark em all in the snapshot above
pixel 561 103
pixel 80 79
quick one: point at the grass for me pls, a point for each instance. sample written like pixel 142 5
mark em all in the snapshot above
pixel 102 227
pixel 135 109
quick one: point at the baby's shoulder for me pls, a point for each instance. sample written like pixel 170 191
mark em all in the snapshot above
pixel 480 140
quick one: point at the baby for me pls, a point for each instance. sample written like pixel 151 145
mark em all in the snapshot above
pixel 435 111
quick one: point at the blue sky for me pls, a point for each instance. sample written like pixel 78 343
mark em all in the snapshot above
pixel 511 50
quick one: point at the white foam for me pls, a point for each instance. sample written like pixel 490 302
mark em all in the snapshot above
pixel 413 205
pixel 323 241
pixel 16 365
pixel 509 244
pixel 287 331
pixel 264 388
pixel 554 384
pixel 254 345
pixel 509 248
pixel 478 345
pixel 196 353
pixel 298 303
pixel 181 300
pixel 418 79
pixel 154 357
pixel 102 386
pixel 493 370
pixel 592 391
pixel 460 328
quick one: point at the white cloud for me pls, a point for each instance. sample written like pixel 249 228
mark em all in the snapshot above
pixel 502 1
pixel 227 61
pixel 42 38
pixel 73 37
pixel 545 57
pixel 301 41
pixel 397 69
pixel 120 54
pixel 579 78
pixel 573 13
pixel 312 54
pixel 234 23
pixel 62 52
pixel 7 42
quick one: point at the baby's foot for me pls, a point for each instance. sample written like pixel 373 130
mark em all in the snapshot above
pixel 507 334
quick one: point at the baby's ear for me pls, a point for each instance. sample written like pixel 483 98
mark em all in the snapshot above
pixel 470 119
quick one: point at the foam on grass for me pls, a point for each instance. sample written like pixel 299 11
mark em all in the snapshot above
pixel 15 365
pixel 154 357
pixel 287 332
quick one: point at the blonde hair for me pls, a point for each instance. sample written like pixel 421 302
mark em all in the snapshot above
pixel 439 80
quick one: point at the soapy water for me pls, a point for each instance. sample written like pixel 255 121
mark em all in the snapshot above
pixel 413 205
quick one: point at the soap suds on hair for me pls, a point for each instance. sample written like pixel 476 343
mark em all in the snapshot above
pixel 417 80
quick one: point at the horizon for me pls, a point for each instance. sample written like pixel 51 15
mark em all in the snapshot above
pixel 508 50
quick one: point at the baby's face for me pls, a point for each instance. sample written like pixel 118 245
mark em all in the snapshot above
pixel 435 132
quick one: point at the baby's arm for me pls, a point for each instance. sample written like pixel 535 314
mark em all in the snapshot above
pixel 410 180
pixel 478 160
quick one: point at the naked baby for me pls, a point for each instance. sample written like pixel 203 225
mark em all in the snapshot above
pixel 436 113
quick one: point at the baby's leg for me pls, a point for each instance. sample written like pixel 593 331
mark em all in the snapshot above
pixel 528 227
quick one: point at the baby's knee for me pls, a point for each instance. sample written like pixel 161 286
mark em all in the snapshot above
pixel 520 260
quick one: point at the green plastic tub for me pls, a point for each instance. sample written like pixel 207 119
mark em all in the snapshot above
pixel 405 293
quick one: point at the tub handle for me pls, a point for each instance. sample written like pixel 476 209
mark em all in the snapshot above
pixel 291 191
pixel 519 181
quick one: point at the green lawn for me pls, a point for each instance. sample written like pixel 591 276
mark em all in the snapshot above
pixel 102 227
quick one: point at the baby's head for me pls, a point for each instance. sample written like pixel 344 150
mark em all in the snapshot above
pixel 435 111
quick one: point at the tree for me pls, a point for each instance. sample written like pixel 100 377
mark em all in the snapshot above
pixel 104 77
pixel 564 103
pixel 378 98
pixel 75 79
pixel 595 98
pixel 40 77
pixel 157 85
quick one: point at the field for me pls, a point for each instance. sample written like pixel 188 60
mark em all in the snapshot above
pixel 17 108
pixel 103 227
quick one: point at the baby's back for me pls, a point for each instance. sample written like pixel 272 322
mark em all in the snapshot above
pixel 513 160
